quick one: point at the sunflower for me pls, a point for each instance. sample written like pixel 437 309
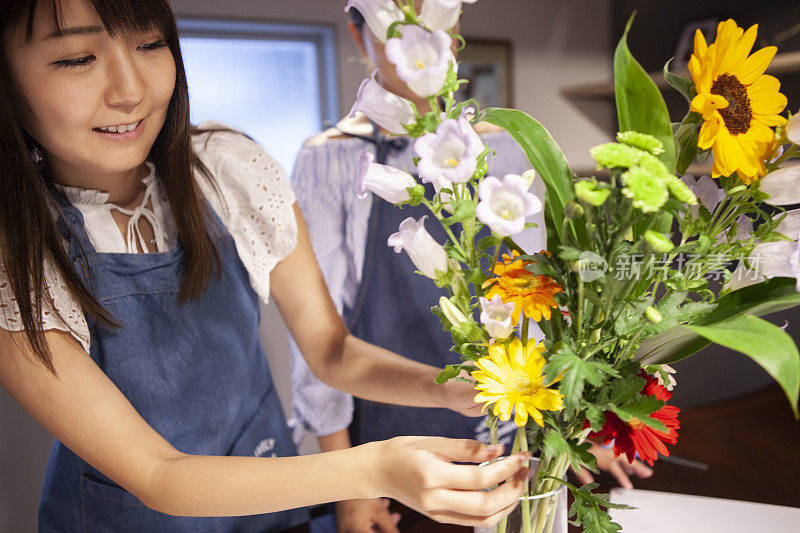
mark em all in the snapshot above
pixel 510 377
pixel 634 436
pixel 738 102
pixel 533 294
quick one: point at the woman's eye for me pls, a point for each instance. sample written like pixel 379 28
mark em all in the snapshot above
pixel 155 45
pixel 74 63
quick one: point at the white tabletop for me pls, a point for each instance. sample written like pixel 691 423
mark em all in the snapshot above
pixel 664 512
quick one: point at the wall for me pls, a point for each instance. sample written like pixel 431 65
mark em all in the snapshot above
pixel 555 43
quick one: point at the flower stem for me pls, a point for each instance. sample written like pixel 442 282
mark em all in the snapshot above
pixel 525 323
pixel 521 443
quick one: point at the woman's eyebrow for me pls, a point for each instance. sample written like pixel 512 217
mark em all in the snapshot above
pixel 76 30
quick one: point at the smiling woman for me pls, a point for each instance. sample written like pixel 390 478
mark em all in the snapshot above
pixel 139 349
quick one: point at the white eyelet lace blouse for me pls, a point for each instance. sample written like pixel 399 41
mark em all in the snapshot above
pixel 257 212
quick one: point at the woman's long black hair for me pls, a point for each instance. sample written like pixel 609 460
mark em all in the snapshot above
pixel 29 232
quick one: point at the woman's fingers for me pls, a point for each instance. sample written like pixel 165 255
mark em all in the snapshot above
pixel 641 469
pixel 463 450
pixel 584 476
pixel 468 477
pixel 479 503
pixel 622 478
pixel 472 521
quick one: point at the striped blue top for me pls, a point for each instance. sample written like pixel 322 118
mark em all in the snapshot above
pixel 324 181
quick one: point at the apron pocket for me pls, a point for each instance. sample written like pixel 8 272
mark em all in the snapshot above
pixel 266 434
pixel 111 509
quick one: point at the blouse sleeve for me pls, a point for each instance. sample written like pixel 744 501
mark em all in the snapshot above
pixel 60 311
pixel 252 198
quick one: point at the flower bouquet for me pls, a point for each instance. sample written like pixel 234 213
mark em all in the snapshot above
pixel 639 267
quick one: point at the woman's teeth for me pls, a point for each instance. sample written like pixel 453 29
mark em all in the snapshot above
pixel 122 128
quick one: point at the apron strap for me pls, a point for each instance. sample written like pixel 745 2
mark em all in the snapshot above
pixel 383 147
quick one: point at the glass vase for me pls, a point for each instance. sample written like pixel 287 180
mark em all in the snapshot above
pixel 544 509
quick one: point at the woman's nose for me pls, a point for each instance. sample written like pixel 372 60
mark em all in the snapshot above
pixel 126 87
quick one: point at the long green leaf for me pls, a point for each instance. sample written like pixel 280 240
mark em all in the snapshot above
pixel 548 160
pixel 640 106
pixel 680 342
pixel 766 344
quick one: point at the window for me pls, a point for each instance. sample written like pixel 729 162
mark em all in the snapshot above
pixel 276 82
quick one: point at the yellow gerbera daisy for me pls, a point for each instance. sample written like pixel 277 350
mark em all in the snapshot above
pixel 510 377
pixel 533 294
pixel 738 102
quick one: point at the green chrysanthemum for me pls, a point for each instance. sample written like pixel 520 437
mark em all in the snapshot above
pixel 681 191
pixel 613 155
pixel 589 193
pixel 643 141
pixel 654 165
pixel 647 190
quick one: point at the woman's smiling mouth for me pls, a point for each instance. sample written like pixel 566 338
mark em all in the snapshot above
pixel 121 132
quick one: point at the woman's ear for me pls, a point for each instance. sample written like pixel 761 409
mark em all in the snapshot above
pixel 358 37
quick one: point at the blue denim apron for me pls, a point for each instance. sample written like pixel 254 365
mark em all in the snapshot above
pixel 393 311
pixel 195 372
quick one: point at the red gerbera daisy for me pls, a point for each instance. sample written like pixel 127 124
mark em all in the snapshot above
pixel 634 436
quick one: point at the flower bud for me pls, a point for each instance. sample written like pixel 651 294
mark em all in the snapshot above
pixel 782 186
pixel 573 210
pixel 427 255
pixel 496 317
pixel 793 129
pixel 386 109
pixel 442 14
pixel 379 15
pixel 652 314
pixel 589 193
pixel 451 312
pixel 658 242
pixel 389 183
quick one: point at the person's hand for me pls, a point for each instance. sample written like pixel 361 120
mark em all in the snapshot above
pixel 366 516
pixel 418 472
pixel 459 396
pixel 619 467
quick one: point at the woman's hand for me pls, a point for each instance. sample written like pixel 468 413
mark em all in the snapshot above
pixel 419 472
pixel 366 516
pixel 459 396
pixel 619 467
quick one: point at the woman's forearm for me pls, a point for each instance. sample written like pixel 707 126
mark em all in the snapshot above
pixel 197 485
pixel 376 374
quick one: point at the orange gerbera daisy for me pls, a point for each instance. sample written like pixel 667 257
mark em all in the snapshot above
pixel 515 284
pixel 738 102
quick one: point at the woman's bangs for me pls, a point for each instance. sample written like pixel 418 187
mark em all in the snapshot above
pixel 117 16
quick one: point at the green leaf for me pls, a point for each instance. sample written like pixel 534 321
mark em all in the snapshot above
pixel 686 137
pixel 548 160
pixel 596 417
pixel 454 253
pixel 587 509
pixel 682 84
pixel 579 456
pixel 452 372
pixel 575 373
pixel 640 106
pixel 641 408
pixel 680 342
pixel 488 242
pixel 463 211
pixel 626 389
pixel 766 344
